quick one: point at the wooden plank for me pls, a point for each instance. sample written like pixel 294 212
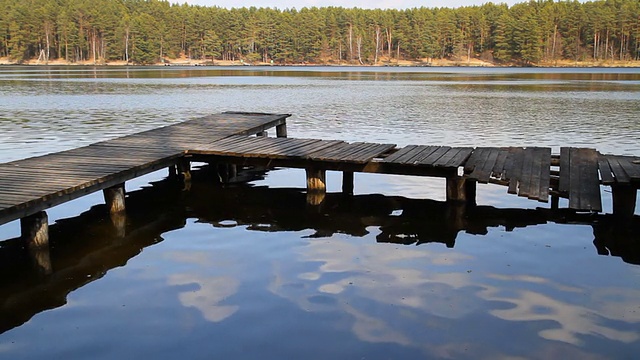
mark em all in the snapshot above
pixel 605 170
pixel 589 183
pixel 412 156
pixel 483 172
pixel 565 170
pixel 618 171
pixel 541 156
pixel 632 169
pixel 370 153
pixel 309 149
pixel 460 158
pixel 498 167
pixel 476 159
pixel 426 152
pixel 508 164
pixel 446 157
pixel 328 153
pixel 355 150
pixel 545 175
pixel 524 186
pixel 576 161
pixel 404 154
pixel 434 156
pixel 514 172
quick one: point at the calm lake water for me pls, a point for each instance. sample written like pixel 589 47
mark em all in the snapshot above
pixel 249 271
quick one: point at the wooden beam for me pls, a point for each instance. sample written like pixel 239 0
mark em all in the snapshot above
pixel 114 197
pixel 347 182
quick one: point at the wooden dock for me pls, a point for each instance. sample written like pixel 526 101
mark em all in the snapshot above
pixel 30 186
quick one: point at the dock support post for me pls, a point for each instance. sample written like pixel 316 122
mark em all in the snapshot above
pixel 34 231
pixel 316 180
pixel 456 189
pixel 470 188
pixel 114 198
pixel 347 182
pixel 262 134
pixel 184 169
pixel 316 186
pixel 624 200
pixel 233 171
pixel 281 130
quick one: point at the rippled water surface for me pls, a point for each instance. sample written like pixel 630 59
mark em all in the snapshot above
pixel 250 271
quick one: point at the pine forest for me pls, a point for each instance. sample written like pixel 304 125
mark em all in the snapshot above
pixel 154 31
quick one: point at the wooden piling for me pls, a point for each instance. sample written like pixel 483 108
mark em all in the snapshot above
pixel 470 188
pixel 233 171
pixel 184 169
pixel 347 182
pixel 456 189
pixel 262 134
pixel 114 197
pixel 281 130
pixel 624 200
pixel 34 230
pixel 316 181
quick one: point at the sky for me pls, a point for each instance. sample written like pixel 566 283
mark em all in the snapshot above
pixel 364 4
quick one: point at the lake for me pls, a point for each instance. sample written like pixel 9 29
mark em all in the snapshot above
pixel 248 270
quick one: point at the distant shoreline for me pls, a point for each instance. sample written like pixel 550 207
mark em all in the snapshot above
pixel 403 63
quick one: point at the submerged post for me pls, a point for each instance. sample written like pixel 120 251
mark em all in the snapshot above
pixel 456 189
pixel 114 198
pixel 347 182
pixel 281 130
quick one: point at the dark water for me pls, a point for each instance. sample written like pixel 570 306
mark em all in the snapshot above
pixel 250 271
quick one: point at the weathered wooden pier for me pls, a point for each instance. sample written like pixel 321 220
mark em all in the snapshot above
pixel 28 187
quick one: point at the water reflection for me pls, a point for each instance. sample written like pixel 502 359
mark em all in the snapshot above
pixel 333 270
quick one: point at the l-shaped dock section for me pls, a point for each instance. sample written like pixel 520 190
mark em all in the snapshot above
pixel 30 186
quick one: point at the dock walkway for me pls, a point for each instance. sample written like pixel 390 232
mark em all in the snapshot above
pixel 29 186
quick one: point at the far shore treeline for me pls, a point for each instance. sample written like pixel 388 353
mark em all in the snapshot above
pixel 152 31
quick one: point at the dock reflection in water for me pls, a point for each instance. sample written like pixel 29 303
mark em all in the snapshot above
pixel 359 280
